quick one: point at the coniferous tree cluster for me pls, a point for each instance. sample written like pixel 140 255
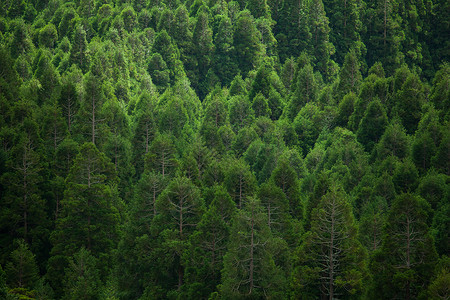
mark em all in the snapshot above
pixel 224 149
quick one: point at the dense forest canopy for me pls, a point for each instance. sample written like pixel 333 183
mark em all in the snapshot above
pixel 212 149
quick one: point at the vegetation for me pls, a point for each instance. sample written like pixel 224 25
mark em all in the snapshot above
pixel 196 149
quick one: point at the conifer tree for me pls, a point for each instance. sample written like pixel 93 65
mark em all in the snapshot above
pixel 180 209
pixel 21 269
pixel 330 261
pixel 82 279
pixel 407 257
pixel 78 52
pixel 305 91
pixel 89 216
pixel 246 39
pixel 249 264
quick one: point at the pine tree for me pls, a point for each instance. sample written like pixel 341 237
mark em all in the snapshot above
pixel 239 181
pixel 78 52
pixel 249 264
pixel 203 47
pixel 82 279
pixel 21 269
pixel 90 119
pixel 24 215
pixel 350 75
pixel 372 125
pixel 89 216
pixel 322 48
pixel 180 209
pixel 161 155
pixel 305 91
pixel 384 34
pixel 330 261
pixel 345 23
pixel 407 257
pixel 224 61
pixel 246 39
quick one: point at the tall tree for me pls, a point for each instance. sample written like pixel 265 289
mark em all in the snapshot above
pixel 322 48
pixel 24 214
pixel 330 261
pixel 21 269
pixel 239 181
pixel 203 47
pixel 90 119
pixel 78 52
pixel 180 209
pixel 90 215
pixel 82 279
pixel 345 23
pixel 225 65
pixel 161 155
pixel 407 257
pixel 249 269
pixel 384 33
pixel 306 89
pixel 246 39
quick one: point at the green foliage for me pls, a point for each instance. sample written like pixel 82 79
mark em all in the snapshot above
pixel 253 272
pixel 372 125
pixel 408 253
pixel 90 215
pixel 21 269
pixel 141 142
pixel 330 260
pixel 82 279
pixel 246 40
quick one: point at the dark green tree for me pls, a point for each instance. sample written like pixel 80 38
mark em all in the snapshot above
pixel 372 125
pixel 90 214
pixel 249 269
pixel 82 279
pixel 79 52
pixel 21 269
pixel 330 261
pixel 180 209
pixel 161 155
pixel 239 181
pixel 247 45
pixel 305 91
pixel 345 23
pixel 402 267
pixel 203 47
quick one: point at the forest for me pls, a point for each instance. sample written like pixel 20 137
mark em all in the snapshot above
pixel 216 149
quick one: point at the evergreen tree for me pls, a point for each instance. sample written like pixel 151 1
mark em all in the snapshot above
pixel 372 125
pixel 285 177
pixel 322 48
pixel 407 257
pixel 305 91
pixel 78 52
pixel 160 156
pixel 180 209
pixel 82 279
pixel 21 269
pixel 384 33
pixel 345 23
pixel 89 216
pixel 249 264
pixel 239 181
pixel 203 47
pixel 330 261
pixel 246 39
pixel 24 215
pixel 350 75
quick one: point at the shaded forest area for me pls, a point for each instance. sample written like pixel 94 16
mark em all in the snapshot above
pixel 212 149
